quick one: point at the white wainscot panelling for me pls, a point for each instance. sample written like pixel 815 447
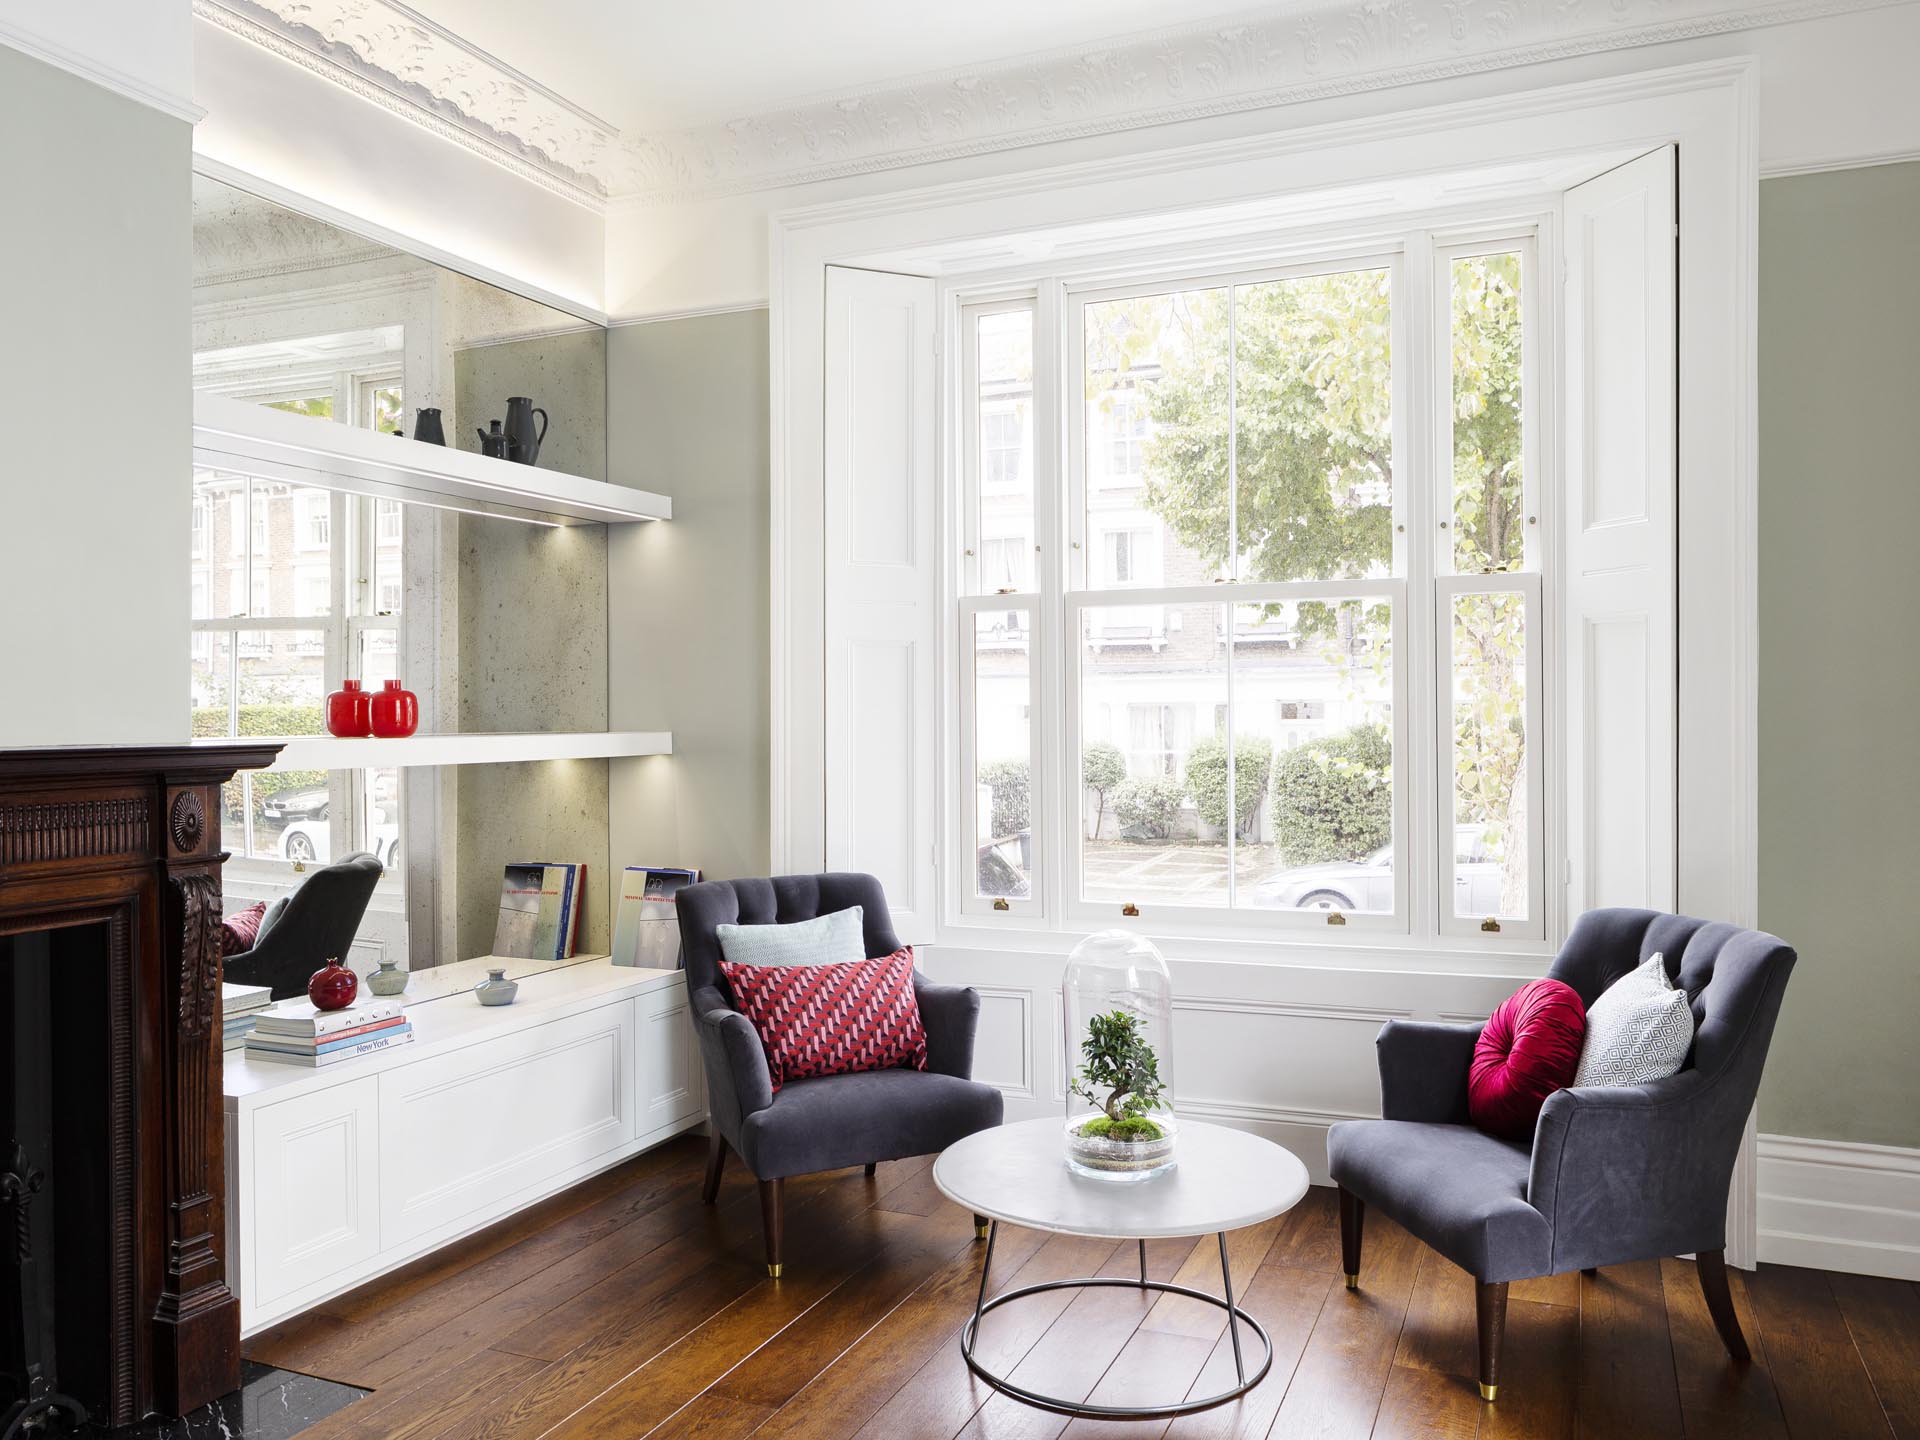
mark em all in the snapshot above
pixel 464 1131
pixel 316 1183
pixel 672 1082
pixel 1839 1205
pixel 1003 1045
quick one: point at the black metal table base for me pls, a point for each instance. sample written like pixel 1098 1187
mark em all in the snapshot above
pixel 1235 1318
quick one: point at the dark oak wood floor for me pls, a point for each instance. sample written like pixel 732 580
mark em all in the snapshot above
pixel 626 1308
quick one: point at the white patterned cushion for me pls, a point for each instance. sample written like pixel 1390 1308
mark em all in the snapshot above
pixel 824 940
pixel 1639 1029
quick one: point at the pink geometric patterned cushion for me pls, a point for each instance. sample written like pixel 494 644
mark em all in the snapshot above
pixel 832 1019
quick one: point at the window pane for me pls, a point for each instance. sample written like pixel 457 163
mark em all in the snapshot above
pixel 212 672
pixel 1153 691
pixel 1313 399
pixel 318 406
pixel 379 657
pixel 1490 864
pixel 1004 446
pixel 1003 749
pixel 386 412
pixel 282 681
pixel 1156 382
pixel 380 818
pixel 1489 529
pixel 1320 703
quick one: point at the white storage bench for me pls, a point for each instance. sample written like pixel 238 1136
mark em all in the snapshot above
pixel 338 1174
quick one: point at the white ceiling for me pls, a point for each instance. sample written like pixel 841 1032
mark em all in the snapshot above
pixel 646 65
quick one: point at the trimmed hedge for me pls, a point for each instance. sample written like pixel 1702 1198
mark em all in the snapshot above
pixel 1148 807
pixel 1207 778
pixel 1010 781
pixel 1333 798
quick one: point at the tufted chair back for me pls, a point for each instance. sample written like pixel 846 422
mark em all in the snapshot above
pixel 1734 978
pixel 780 901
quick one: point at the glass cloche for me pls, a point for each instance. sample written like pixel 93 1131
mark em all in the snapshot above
pixel 1118 1002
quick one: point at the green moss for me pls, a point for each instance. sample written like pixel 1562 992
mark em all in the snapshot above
pixel 1134 1127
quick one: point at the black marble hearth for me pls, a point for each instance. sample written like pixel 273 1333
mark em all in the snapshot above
pixel 269 1405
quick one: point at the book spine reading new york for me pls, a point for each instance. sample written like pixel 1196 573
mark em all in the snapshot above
pixel 540 904
pixel 330 1054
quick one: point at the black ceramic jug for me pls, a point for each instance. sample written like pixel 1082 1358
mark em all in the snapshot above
pixel 523 443
pixel 426 426
pixel 493 442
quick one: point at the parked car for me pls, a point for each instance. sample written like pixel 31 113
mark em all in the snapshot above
pixel 1367 885
pixel 310 842
pixel 310 804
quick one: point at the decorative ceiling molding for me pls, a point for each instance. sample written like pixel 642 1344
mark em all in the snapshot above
pixel 397 58
pixel 1277 56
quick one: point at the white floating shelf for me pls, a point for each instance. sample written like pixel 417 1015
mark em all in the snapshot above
pixel 230 434
pixel 325 752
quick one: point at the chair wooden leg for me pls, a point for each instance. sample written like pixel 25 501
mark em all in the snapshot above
pixel 1353 1219
pixel 979 1227
pixel 1712 1265
pixel 873 1168
pixel 1591 1271
pixel 1490 1307
pixel 772 1223
pixel 716 1161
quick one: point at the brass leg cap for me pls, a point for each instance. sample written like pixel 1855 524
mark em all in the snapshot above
pixel 1353 1282
pixel 773 1271
pixel 1487 1392
pixel 980 1232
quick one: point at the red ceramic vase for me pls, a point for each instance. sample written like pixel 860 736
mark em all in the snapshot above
pixel 349 711
pixel 333 988
pixel 396 712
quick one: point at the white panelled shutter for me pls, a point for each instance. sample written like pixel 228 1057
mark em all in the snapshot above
pixel 881 593
pixel 1621 527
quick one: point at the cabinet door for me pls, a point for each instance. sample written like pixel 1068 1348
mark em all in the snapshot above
pixel 315 1198
pixel 672 1085
pixel 466 1132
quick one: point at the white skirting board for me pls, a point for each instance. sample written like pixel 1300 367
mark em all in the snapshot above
pixel 1840 1205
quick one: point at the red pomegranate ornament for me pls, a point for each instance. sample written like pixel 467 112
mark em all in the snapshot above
pixel 396 712
pixel 349 711
pixel 333 987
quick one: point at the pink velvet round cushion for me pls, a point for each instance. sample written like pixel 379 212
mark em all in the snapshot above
pixel 1529 1049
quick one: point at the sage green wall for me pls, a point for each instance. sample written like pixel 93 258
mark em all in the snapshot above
pixel 689 635
pixel 96 232
pixel 533 643
pixel 1839 682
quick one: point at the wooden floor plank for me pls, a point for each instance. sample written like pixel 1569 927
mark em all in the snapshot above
pixel 1624 1383
pixel 1309 1235
pixel 1420 1402
pixel 1883 1317
pixel 1719 1400
pixel 882 1366
pixel 1440 1332
pixel 1337 1387
pixel 1822 1382
pixel 940 1395
pixel 1285 1299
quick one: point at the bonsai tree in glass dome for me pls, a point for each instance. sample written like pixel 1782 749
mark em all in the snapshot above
pixel 1119 1012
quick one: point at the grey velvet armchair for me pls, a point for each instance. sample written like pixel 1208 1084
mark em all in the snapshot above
pixel 834 1120
pixel 1613 1174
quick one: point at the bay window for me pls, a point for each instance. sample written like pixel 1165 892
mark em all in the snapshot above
pixel 1287 657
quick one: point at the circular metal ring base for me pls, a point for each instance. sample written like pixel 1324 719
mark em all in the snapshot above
pixel 1117 1412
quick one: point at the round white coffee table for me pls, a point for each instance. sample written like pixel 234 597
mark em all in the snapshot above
pixel 1223 1180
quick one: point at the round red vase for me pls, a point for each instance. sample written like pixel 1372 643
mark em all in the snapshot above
pixel 349 711
pixel 395 712
pixel 333 988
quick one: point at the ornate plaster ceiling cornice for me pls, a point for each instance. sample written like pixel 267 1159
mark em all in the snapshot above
pixel 1306 50
pixel 392 55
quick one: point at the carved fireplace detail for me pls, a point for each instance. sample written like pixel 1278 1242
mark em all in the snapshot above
pixel 128 838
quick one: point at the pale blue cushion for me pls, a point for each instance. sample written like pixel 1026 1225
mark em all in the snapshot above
pixel 824 940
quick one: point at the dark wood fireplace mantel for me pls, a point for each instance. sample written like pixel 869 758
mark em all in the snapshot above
pixel 129 837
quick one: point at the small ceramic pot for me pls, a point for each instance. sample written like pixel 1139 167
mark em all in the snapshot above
pixel 349 711
pixel 389 979
pixel 394 713
pixel 333 987
pixel 496 989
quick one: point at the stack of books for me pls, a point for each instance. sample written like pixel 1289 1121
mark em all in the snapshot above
pixel 295 1033
pixel 239 1004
